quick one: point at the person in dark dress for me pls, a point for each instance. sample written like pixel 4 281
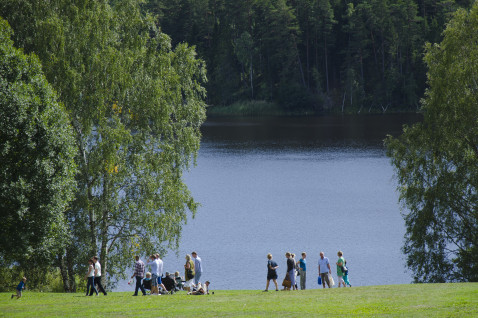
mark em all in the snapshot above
pixel 291 270
pixel 271 272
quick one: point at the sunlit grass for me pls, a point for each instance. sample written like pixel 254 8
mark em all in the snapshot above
pixel 429 300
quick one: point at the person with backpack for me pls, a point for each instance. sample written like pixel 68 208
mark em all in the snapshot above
pixel 324 270
pixel 346 274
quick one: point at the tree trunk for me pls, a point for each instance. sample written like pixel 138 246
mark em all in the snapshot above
pixel 300 63
pixel 64 273
pixel 88 189
pixel 71 273
pixel 326 64
pixel 91 214
pixel 307 57
pixel 383 58
pixel 104 261
pixel 104 230
pixel 252 84
pixel 361 66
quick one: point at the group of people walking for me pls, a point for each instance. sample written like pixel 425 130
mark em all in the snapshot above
pixel 94 277
pixel 299 268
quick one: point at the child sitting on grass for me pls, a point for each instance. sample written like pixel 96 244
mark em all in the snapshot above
pixel 147 281
pixel 20 287
pixel 179 281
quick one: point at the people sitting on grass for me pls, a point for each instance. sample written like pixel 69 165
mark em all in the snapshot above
pixel 169 282
pixel 202 289
pixel 179 282
pixel 147 281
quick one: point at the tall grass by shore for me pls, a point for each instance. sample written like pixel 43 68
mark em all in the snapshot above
pixel 253 109
pixel 258 108
pixel 417 300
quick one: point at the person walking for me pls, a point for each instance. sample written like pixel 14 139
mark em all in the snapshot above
pixel 197 267
pixel 346 273
pixel 324 269
pixel 302 270
pixel 90 276
pixel 139 274
pixel 340 269
pixel 291 270
pixel 98 276
pixel 296 269
pixel 271 272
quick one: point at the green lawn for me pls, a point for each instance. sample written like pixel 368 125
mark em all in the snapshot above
pixel 424 300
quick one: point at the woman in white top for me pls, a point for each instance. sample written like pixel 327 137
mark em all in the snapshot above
pixel 91 279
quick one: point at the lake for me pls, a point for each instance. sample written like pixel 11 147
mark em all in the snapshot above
pixel 272 185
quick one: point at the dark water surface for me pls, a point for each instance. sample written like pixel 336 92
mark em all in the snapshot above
pixel 271 185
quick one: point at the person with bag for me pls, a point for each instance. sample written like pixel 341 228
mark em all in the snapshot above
pixel 271 272
pixel 189 273
pixel 324 270
pixel 340 269
pixel 291 270
pixel 286 282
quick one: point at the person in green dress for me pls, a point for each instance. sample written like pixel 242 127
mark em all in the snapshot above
pixel 340 265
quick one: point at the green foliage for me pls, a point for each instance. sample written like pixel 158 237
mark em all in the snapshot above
pixel 37 162
pixel 437 161
pixel 136 105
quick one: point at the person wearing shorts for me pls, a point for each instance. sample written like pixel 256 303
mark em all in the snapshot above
pixel 160 273
pixel 271 272
pixel 154 265
pixel 324 269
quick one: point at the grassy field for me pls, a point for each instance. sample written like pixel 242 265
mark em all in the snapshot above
pixel 424 300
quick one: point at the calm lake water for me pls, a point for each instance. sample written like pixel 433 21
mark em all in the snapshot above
pixel 272 185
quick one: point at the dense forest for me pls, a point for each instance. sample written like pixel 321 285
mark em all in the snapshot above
pixel 310 55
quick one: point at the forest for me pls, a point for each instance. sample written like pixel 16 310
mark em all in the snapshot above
pixel 310 56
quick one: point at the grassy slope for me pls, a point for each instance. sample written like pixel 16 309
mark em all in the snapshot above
pixel 430 300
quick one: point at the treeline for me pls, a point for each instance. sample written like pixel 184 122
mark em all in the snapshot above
pixel 310 55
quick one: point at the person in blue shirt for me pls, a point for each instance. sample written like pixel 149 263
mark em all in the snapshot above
pixel 302 270
pixel 197 267
pixel 19 289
